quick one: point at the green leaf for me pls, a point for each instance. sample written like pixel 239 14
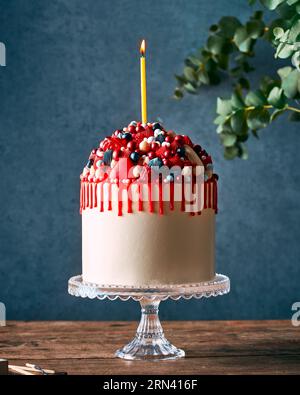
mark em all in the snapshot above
pixel 193 60
pixel 228 26
pixel 291 2
pixel 258 118
pixel 243 152
pixel 272 4
pixel 276 98
pixel 243 137
pixel 220 120
pixel 224 107
pixel 290 84
pixel 231 152
pixel 284 72
pixel 285 11
pixel 242 39
pixel 214 28
pixel 255 99
pixel 284 50
pixel 223 61
pixel 244 83
pixel 203 77
pixel 276 114
pixel 189 73
pixel 267 84
pixel 294 31
pixel 278 32
pixel 294 116
pixel 237 100
pixel 190 88
pixel 180 79
pixel 238 122
pixel 255 28
pixel 216 44
pixel 296 60
pixel 178 94
pixel 228 139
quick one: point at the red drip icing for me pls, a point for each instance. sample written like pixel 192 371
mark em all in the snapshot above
pixel 140 191
pixel 160 192
pixel 80 207
pixel 182 197
pixel 91 195
pixel 101 197
pixel 172 196
pixel 150 197
pixel 109 208
pixel 129 201
pixel 95 195
pixel 87 202
pixel 216 196
pixel 84 195
pixel 120 203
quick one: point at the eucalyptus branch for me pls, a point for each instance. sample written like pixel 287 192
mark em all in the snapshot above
pixel 227 51
pixel 239 115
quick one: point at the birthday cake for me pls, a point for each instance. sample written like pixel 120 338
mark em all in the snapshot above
pixel 148 200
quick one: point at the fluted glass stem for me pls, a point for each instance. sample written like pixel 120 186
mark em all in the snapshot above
pixel 149 341
pixel 150 326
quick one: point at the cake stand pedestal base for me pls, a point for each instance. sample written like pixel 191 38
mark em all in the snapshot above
pixel 149 341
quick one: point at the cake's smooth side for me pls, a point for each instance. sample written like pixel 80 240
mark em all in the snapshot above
pixel 143 249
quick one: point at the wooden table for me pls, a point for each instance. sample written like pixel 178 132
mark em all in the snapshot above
pixel 212 347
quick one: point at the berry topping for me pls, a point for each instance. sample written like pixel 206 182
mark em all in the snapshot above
pixel 127 136
pixel 134 156
pixel 145 146
pixel 90 163
pixel 156 125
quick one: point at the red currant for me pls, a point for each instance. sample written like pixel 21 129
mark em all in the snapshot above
pixel 187 141
pixel 139 129
pixel 131 145
pixel 168 139
pixel 131 129
pixel 154 146
pixel 179 139
pixel 116 154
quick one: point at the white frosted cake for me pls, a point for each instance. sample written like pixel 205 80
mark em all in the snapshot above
pixel 148 202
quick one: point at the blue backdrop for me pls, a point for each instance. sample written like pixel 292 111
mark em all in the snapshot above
pixel 72 76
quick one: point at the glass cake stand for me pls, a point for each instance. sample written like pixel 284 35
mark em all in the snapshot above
pixel 149 341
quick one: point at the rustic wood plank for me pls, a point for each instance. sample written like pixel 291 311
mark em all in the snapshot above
pixel 212 347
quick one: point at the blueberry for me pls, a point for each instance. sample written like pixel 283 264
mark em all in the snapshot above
pixel 156 125
pixel 160 138
pixel 107 157
pixel 134 156
pixel 156 162
pixel 127 136
pixel 181 151
pixel 120 135
pixel 90 163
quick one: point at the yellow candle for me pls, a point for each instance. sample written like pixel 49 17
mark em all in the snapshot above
pixel 143 83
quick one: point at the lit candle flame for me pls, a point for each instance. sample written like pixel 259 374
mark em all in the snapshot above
pixel 143 48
